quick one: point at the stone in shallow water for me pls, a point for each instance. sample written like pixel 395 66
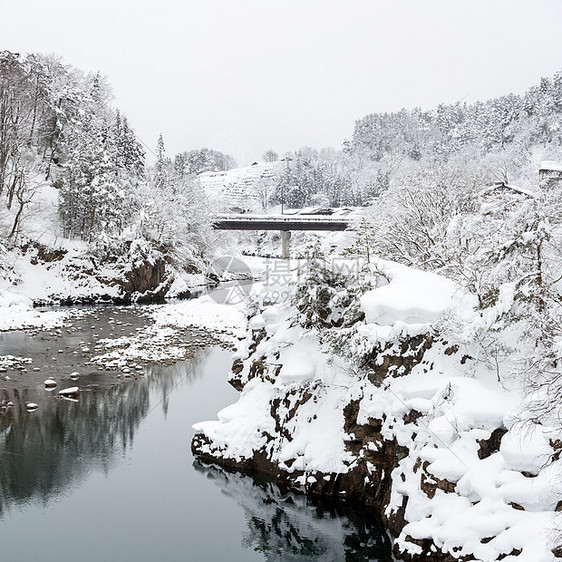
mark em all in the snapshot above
pixel 70 391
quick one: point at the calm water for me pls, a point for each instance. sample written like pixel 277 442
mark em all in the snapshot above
pixel 112 478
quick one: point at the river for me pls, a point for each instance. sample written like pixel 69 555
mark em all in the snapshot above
pixel 111 476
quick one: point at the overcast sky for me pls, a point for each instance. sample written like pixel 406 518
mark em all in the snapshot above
pixel 244 76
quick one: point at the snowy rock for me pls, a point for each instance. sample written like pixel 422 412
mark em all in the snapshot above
pixel 421 442
pixel 411 297
pixel 257 322
pixel 298 365
pixel 526 448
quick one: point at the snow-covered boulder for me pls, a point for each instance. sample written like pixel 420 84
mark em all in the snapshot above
pixel 411 297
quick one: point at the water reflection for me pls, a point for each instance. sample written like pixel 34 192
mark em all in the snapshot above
pixel 65 446
pixel 291 528
pixel 48 451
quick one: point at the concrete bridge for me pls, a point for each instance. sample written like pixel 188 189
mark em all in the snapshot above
pixel 284 223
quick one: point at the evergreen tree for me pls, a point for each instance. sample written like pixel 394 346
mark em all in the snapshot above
pixel 161 166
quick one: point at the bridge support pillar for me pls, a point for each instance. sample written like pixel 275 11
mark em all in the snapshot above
pixel 285 237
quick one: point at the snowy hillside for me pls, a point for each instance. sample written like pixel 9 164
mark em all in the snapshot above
pixel 247 188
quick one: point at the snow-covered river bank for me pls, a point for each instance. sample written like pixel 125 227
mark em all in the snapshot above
pixel 109 475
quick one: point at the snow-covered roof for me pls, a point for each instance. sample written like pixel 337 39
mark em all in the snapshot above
pixel 508 187
pixel 551 165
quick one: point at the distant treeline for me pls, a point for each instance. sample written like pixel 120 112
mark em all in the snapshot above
pixel 501 134
pixel 534 118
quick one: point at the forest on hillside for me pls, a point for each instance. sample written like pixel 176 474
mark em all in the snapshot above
pixel 499 140
pixel 59 128
pixel 71 163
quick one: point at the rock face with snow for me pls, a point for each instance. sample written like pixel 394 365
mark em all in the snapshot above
pixel 393 411
pixel 148 281
pixel 135 272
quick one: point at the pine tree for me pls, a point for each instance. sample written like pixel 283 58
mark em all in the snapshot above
pixel 160 168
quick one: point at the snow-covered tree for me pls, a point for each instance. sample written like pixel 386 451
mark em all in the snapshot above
pixel 270 156
pixel 365 240
pixel 194 162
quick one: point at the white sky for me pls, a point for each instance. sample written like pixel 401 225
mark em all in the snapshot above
pixel 243 76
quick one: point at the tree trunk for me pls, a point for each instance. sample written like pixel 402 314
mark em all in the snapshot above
pixel 17 219
pixel 540 281
pixel 34 110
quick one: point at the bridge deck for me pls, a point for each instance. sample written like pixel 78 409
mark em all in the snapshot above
pixel 279 222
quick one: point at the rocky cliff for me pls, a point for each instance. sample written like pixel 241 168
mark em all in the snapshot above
pixel 394 410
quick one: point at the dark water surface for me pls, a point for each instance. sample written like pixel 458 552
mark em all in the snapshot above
pixel 112 478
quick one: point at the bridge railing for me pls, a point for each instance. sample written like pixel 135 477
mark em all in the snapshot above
pixel 280 218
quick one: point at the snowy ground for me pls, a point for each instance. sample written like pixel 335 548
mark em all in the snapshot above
pixel 177 328
pixel 17 314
